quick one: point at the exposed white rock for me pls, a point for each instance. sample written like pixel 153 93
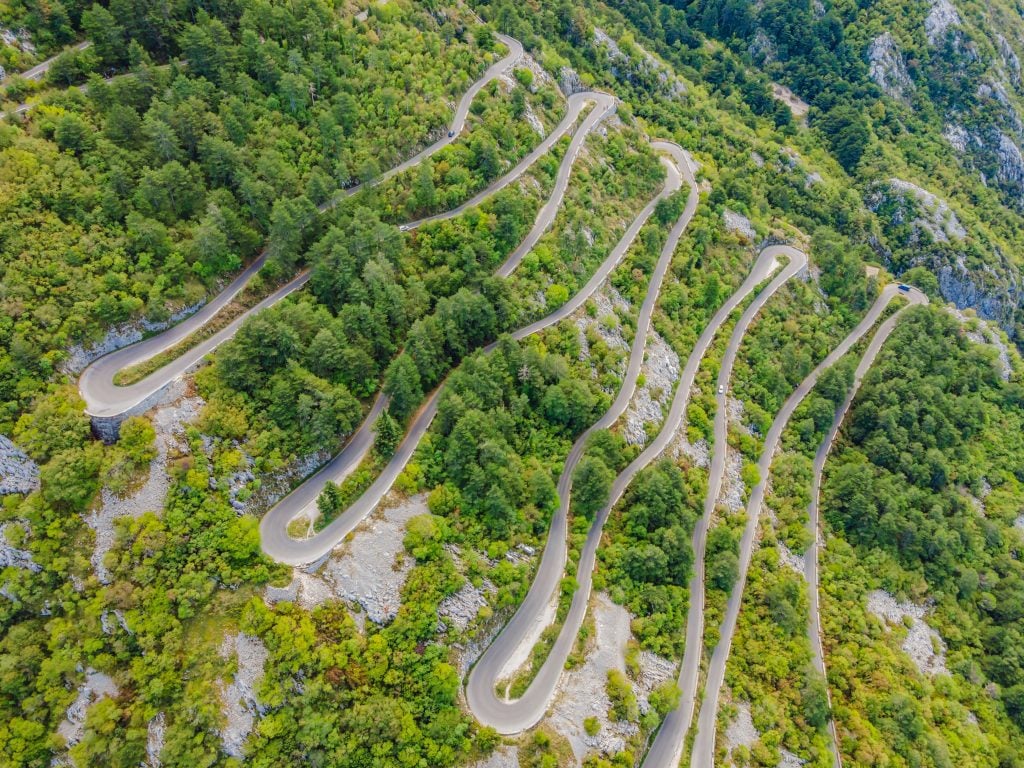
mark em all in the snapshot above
pixel 654 670
pixel 96 686
pixel 928 212
pixel 887 67
pixel 1019 522
pixel 155 734
pixel 940 18
pixel 503 757
pixel 922 644
pixel 957 136
pixel 741 731
pixel 13 557
pixel 762 49
pixel 534 121
pixel 699 451
pixel 169 422
pixel 731 496
pixel 789 760
pixel 18 473
pixel 987 334
pixel 240 704
pixel 79 356
pixel 1009 58
pixel 790 559
pixel 660 371
pixel 463 606
pixel 581 691
pixel 739 224
pixel 369 569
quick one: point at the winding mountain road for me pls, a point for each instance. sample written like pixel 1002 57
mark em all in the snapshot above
pixel 814 633
pixel 704 744
pixel 667 748
pixel 107 400
pixel 518 715
pixel 274 526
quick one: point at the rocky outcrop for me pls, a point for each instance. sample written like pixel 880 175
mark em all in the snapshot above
pixel 903 202
pixel 1009 59
pixel 642 67
pixel 569 81
pixel 888 69
pixel 940 18
pixel 18 473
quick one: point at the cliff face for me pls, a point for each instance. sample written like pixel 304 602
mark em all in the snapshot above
pixel 922 229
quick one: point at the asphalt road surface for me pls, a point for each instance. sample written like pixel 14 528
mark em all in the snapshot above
pixel 667 747
pixel 39 70
pixel 515 716
pixel 105 399
pixel 274 527
pixel 704 744
pixel 814 634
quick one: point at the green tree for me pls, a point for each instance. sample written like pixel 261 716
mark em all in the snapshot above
pixel 387 435
pixel 402 386
pixel 591 483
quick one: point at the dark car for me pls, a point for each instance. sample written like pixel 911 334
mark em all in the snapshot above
pixel 450 134
pixel 904 287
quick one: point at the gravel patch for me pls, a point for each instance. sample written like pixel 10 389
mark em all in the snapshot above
pixel 155 733
pixel 13 557
pixel 654 670
pixel 238 698
pixel 731 495
pixel 922 644
pixel 739 224
pixel 96 686
pixel 789 760
pixel 581 693
pixel 169 421
pixel 741 731
pixel 660 371
pixel 503 757
pixel 699 453
pixel 369 569
pixel 18 473
pixel 790 559
pixel 462 608
pixel 1019 522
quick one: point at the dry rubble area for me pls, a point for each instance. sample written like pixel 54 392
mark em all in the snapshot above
pixel 369 569
pixel 605 322
pixel 922 644
pixel 503 757
pixel 660 371
pixel 18 473
pixel 169 421
pixel 731 495
pixel 581 692
pixel 238 698
pixel 96 686
pixel 790 559
pixel 741 731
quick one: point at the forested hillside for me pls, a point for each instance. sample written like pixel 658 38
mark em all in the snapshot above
pixel 151 153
